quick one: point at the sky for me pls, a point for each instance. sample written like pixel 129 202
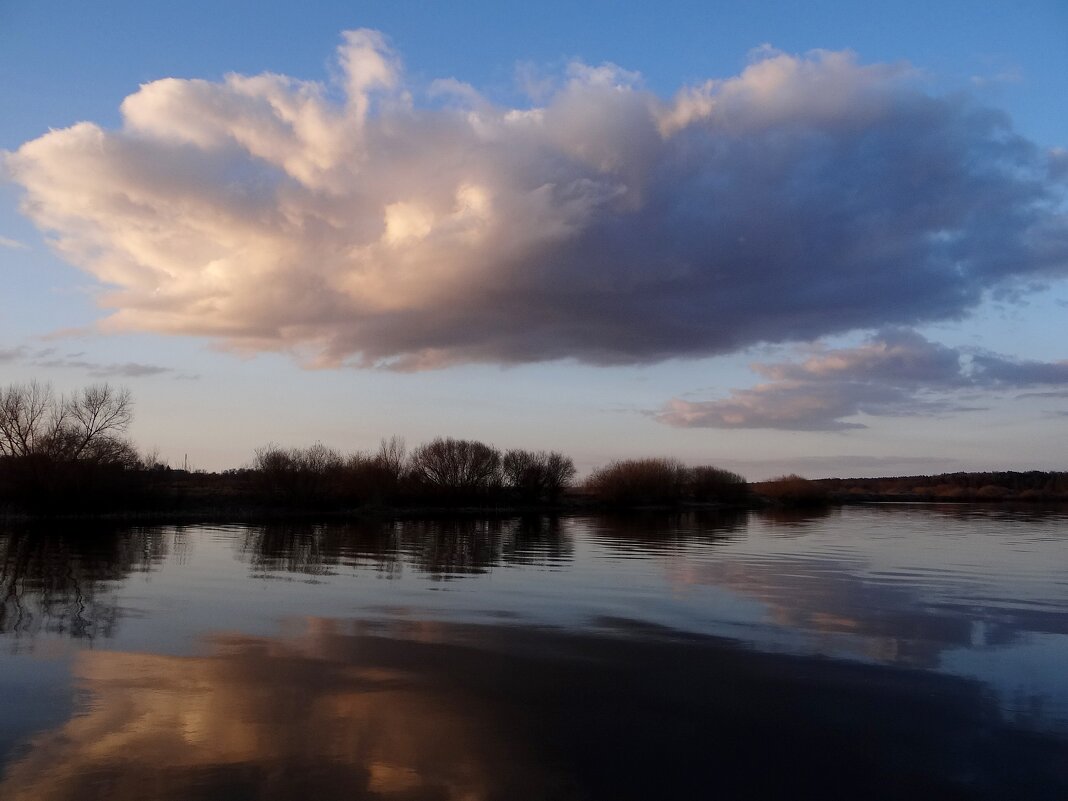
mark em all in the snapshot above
pixel 828 238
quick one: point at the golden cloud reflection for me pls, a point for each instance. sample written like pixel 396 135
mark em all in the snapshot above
pixel 319 715
pixel 425 710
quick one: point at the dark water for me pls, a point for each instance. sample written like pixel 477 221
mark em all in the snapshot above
pixel 880 652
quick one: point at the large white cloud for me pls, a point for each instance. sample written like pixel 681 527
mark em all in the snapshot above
pixel 345 223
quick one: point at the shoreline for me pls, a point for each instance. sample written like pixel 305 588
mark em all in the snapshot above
pixel 246 514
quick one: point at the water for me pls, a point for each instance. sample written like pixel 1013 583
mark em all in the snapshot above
pixel 878 652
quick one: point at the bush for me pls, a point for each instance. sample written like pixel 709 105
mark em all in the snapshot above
pixel 793 490
pixel 637 482
pixel 707 483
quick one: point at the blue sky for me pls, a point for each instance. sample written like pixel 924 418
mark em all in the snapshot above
pixel 625 314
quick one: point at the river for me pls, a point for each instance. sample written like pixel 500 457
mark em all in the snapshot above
pixel 883 651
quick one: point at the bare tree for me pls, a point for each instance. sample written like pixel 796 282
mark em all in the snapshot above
pixel 457 464
pixel 95 415
pixel 87 425
pixel 29 418
pixel 298 474
pixel 67 452
pixel 539 474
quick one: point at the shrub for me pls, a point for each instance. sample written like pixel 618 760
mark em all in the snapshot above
pixel 793 490
pixel 636 482
pixel 707 483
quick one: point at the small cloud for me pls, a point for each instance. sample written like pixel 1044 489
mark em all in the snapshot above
pixel 1058 163
pixel 14 244
pixel 46 358
pixel 897 356
pixel 763 52
pixel 463 92
pixel 797 406
pixel 896 372
pixel 1001 371
pixel 1056 393
pixel 12 354
pixel 129 370
pixel 853 465
pixel 70 333
pixel 533 81
pixel 97 370
pixel 1012 75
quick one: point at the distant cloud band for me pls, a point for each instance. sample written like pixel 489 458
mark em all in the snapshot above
pixel 896 372
pixel 13 244
pixel 48 359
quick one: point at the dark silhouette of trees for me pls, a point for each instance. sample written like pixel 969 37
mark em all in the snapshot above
pixel 456 469
pixel 639 482
pixel 664 482
pixel 69 455
pixel 380 478
pixel 298 476
pixel 793 490
pixel 537 475
pixel 62 452
pixel 1032 486
pixel 708 483
pixel 87 425
pixel 443 471
pixel 28 419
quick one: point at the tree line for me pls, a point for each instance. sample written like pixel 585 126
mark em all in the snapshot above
pixel 1003 485
pixel 444 471
pixel 68 451
pixel 69 454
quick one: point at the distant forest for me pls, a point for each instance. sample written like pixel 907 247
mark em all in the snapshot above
pixel 68 455
pixel 1032 485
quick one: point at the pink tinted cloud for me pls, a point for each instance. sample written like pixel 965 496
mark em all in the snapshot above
pixel 347 224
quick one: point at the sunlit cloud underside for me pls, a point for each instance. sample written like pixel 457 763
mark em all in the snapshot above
pixel 349 224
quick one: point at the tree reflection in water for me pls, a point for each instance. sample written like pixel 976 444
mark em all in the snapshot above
pixel 440 548
pixel 644 533
pixel 623 685
pixel 57 580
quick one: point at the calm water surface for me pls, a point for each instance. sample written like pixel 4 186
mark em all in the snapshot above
pixel 871 652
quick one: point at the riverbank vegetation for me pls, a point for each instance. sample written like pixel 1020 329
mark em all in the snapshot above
pixel 658 482
pixel 442 472
pixel 996 486
pixel 793 491
pixel 68 455
pixel 69 452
